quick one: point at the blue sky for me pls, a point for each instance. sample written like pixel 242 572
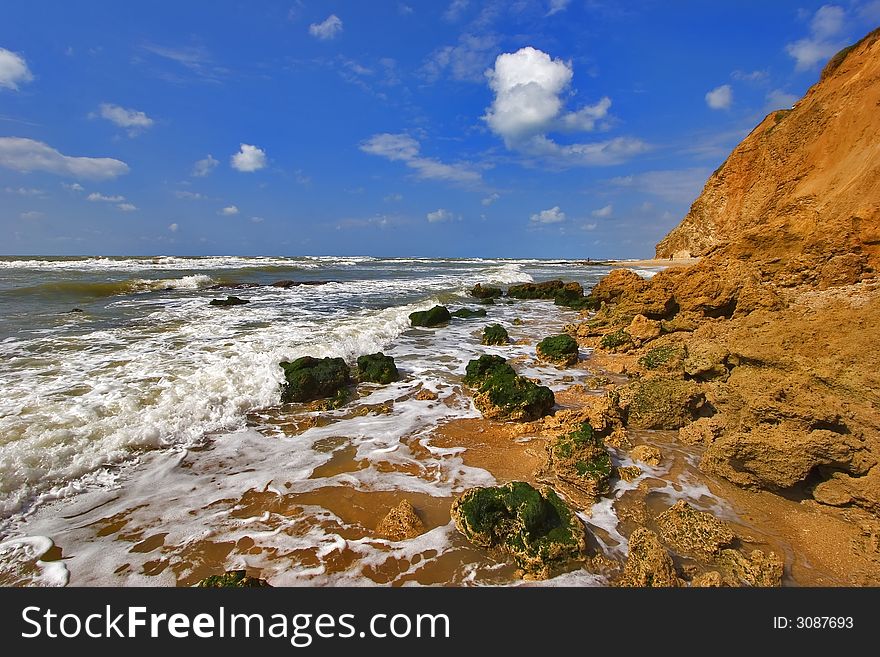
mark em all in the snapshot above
pixel 530 128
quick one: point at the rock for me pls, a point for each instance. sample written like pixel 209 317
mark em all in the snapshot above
pixel 76 310
pixel 232 579
pixel 707 361
pixel 503 395
pixel 661 403
pixel 434 317
pixel 648 564
pixel 667 358
pixel 616 284
pixel 572 296
pixel 402 522
pixel 579 464
pixel 536 528
pixel 309 378
pixel 545 290
pixel 693 532
pixel 228 301
pixel 288 283
pixel 495 334
pixel 426 395
pixel 844 269
pixel 517 321
pixel 834 491
pixel 485 291
pixel 641 329
pixel 617 341
pixel 647 454
pixel 682 322
pixel 559 349
pixel 758 569
pixel 703 431
pixel 709 580
pixel 377 368
pixel 628 472
pixel 467 313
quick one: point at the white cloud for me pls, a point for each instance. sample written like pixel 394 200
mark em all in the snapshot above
pixel 403 148
pixel 465 61
pixel 133 120
pixel 824 39
pixel 257 220
pixel 529 89
pixel 31 214
pixel 248 159
pixel 101 198
pixel 28 155
pixel 780 99
pixel 205 166
pixel 720 97
pixel 173 227
pixel 24 191
pixel 552 216
pixel 489 200
pixel 190 196
pixel 73 187
pixel 326 29
pixel 439 215
pixel 590 226
pixel 229 210
pixel 556 6
pixel 127 207
pixel 749 76
pixel 455 10
pixel 13 70
pixel 604 212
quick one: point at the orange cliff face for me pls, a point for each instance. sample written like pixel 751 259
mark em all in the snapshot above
pixel 804 187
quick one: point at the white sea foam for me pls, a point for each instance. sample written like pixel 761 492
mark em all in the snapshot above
pixel 21 563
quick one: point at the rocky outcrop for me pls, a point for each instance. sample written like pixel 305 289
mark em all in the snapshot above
pixel 560 350
pixel 495 334
pixel 467 313
pixel 434 317
pixel 690 531
pixel 377 368
pixel 481 291
pixel 309 378
pixel 649 564
pixel 501 394
pixel 228 301
pixel 579 465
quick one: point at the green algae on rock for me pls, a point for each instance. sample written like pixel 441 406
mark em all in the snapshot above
pixel 666 357
pixel 495 334
pixel 481 291
pixel 229 301
pixel 545 290
pixel 661 403
pixel 504 395
pixel 559 349
pixel 309 378
pixel 232 579
pixel 377 368
pixel 536 528
pixel 467 313
pixel 434 317
pixel 579 464
pixel 618 340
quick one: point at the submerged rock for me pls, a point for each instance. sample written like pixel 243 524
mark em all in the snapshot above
pixel 693 532
pixel 580 465
pixel 481 291
pixel 467 313
pixel 433 317
pixel 229 301
pixel 504 395
pixel 545 290
pixel 495 334
pixel 402 522
pixel 559 349
pixel 232 579
pixel 309 378
pixel 377 368
pixel 647 454
pixel 536 528
pixel 648 564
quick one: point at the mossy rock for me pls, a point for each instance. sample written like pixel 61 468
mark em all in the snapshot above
pixel 545 290
pixel 504 395
pixel 377 368
pixel 572 296
pixel 536 528
pixel 580 461
pixel 229 301
pixel 231 579
pixel 481 291
pixel 667 357
pixel 309 378
pixel 559 349
pixel 495 334
pixel 467 313
pixel 434 317
pixel 662 403
pixel 619 340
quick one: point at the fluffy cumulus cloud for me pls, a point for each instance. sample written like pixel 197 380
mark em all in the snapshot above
pixel 603 212
pixel 552 216
pixel 248 159
pixel 13 70
pixel 720 97
pixel 326 29
pixel 529 90
pixel 824 39
pixel 439 215
pixel 229 211
pixel 403 148
pixel 132 120
pixel 26 155
pixel 205 166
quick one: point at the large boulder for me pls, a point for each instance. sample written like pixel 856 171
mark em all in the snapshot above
pixel 229 301
pixel 545 290
pixel 579 464
pixel 559 349
pixel 467 313
pixel 660 403
pixel 481 291
pixel 434 317
pixel 309 378
pixel 536 528
pixel 648 564
pixel 504 395
pixel 495 334
pixel 377 368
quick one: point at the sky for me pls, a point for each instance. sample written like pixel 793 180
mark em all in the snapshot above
pixel 450 128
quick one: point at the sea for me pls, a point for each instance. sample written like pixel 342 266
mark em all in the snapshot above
pixel 142 439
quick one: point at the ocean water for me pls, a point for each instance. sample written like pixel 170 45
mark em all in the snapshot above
pixel 142 440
